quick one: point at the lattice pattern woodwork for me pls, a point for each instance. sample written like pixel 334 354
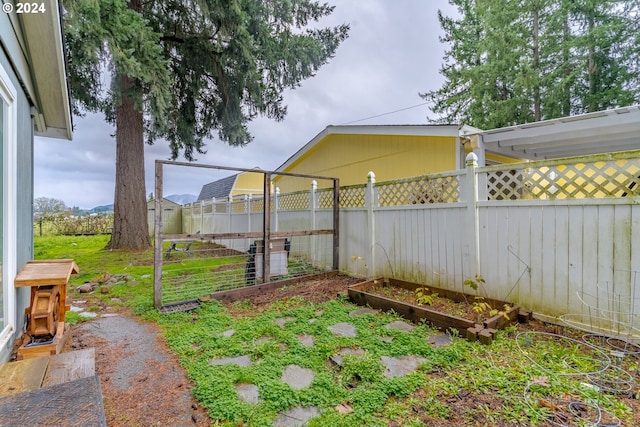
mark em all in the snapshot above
pixel 257 205
pixel 419 190
pixel 325 198
pixel 579 180
pixel 220 207
pixel 294 201
pixel 353 196
pixel 239 206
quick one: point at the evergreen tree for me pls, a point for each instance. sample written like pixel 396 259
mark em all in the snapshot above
pixel 517 61
pixel 186 71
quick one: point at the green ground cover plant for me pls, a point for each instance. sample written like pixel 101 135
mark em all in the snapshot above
pixel 510 382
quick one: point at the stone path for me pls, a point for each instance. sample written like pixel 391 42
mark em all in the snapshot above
pixel 300 378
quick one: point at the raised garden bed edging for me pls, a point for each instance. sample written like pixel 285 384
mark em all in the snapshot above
pixel 361 294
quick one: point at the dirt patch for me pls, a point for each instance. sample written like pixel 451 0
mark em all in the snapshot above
pixel 475 309
pixel 314 290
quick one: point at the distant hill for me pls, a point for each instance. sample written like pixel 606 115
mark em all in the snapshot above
pixel 182 199
pixel 102 209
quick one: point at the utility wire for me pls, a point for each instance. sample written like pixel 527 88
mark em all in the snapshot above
pixel 385 114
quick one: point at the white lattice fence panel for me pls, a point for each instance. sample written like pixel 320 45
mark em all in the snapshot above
pixel 257 205
pixel 239 206
pixel 220 207
pixel 325 198
pixel 577 180
pixel 419 190
pixel 352 197
pixel 507 185
pixel 294 201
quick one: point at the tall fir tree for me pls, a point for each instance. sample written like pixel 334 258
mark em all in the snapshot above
pixel 517 61
pixel 186 71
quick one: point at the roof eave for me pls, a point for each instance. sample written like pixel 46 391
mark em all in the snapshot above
pixel 45 49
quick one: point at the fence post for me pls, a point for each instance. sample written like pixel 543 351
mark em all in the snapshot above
pixel 313 204
pixel 249 199
pixel 229 243
pixel 214 212
pixel 266 229
pixel 201 215
pixel 157 239
pixel 276 207
pixel 472 228
pixel 370 203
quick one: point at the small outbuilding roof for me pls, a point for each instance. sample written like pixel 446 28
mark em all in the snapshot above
pixel 591 133
pixel 218 189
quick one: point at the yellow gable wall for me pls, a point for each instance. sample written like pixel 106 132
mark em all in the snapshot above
pixel 248 183
pixel 350 157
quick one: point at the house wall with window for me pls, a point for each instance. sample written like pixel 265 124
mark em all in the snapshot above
pixel 34 100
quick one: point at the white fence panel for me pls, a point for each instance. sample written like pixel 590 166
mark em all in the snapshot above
pixel 541 234
pixel 354 247
pixel 421 243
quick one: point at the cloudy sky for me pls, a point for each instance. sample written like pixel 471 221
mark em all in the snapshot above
pixel 392 54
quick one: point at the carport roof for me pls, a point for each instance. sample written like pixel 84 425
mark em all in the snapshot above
pixel 591 133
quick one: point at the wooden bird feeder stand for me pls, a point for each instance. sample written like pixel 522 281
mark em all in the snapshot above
pixel 46 332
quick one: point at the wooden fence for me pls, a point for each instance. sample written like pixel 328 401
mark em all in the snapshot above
pixel 559 238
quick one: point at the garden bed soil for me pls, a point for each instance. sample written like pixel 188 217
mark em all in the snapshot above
pixel 447 309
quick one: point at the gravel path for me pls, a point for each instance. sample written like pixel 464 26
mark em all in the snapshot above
pixel 142 382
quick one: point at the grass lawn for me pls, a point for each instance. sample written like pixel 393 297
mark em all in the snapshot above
pixel 525 377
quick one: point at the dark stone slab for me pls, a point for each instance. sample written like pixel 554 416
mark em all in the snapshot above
pixel 71 404
pixel 439 340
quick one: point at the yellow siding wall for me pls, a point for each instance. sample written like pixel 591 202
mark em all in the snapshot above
pixel 350 157
pixel 248 183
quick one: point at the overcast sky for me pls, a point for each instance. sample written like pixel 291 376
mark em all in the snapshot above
pixel 393 53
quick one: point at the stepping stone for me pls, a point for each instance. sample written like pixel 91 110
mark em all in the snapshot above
pixel 248 393
pixel 338 358
pixel 306 340
pixel 399 325
pixel 343 330
pixel 88 314
pixel 228 333
pixel 400 366
pixel 363 312
pixel 298 377
pixel 344 408
pixel 386 339
pixel 439 340
pixel 296 417
pixel 281 321
pixel 238 360
pixel 262 340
